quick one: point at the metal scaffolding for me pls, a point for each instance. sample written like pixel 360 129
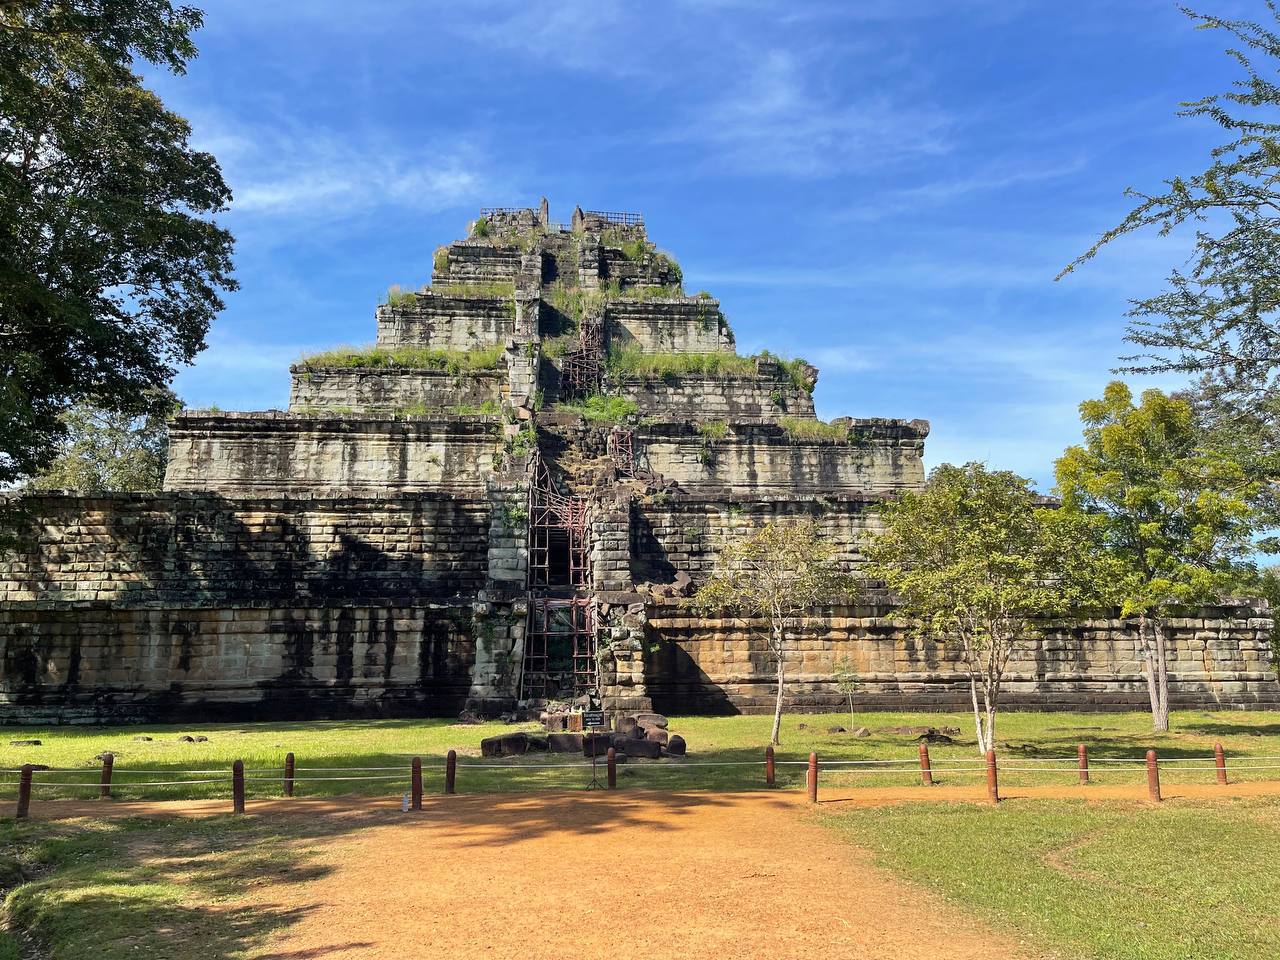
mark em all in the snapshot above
pixel 582 371
pixel 621 451
pixel 560 648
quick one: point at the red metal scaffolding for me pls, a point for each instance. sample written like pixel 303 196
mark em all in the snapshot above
pixel 583 369
pixel 560 648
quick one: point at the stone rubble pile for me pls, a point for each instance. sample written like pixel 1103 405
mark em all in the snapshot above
pixel 635 736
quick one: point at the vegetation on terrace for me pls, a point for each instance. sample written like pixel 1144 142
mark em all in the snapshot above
pixel 405 358
pixel 601 409
pixel 399 298
pixel 635 362
pixel 801 428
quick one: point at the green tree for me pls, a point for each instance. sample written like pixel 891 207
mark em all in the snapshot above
pixel 1217 319
pixel 104 450
pixel 112 268
pixel 975 562
pixel 1175 516
pixel 847 680
pixel 776 576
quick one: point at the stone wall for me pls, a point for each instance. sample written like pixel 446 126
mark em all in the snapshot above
pixel 445 321
pixel 701 398
pixel 683 325
pixel 672 532
pixel 355 389
pixel 204 549
pixel 481 261
pixel 237 662
pixel 1220 658
pixel 758 458
pixel 244 454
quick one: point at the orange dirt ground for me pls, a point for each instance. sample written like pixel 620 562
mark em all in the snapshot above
pixel 632 874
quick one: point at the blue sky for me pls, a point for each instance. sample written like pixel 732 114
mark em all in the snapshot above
pixel 885 188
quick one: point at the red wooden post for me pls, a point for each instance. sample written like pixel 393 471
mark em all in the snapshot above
pixel 813 778
pixel 1083 753
pixel 237 787
pixel 926 772
pixel 288 774
pixel 108 763
pixel 1153 776
pixel 993 785
pixel 613 768
pixel 768 765
pixel 415 784
pixel 24 792
pixel 451 772
pixel 1220 761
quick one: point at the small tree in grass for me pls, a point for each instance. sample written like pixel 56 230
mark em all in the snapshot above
pixel 975 561
pixel 847 679
pixel 777 575
pixel 1176 516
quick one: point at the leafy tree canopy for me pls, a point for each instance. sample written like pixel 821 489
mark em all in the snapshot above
pixel 108 451
pixel 111 270
pixel 975 559
pixel 1218 318
pixel 1177 515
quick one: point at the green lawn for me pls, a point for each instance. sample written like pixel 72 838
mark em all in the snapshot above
pixel 1029 741
pixel 1115 881
pixel 173 888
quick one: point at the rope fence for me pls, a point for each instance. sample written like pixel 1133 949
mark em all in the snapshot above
pixel 112 781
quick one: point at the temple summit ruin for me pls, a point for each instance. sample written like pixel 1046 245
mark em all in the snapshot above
pixel 504 500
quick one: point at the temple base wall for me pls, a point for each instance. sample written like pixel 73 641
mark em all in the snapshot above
pixel 1219 659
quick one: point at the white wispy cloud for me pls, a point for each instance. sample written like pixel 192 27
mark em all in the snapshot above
pixel 284 169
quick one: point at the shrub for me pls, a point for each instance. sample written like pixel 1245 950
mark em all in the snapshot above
pixel 634 362
pixel 440 260
pixel 602 409
pixel 397 296
pixel 713 430
pixel 800 428
pixel 481 229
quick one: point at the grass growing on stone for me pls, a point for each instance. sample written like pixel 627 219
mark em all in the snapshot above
pixel 601 409
pixel 405 358
pixel 391 743
pixel 634 362
pixel 1096 880
pixel 801 428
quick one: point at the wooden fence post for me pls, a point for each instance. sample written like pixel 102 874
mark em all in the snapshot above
pixel 1220 761
pixel 108 765
pixel 993 784
pixel 24 792
pixel 1082 753
pixel 237 787
pixel 926 771
pixel 768 765
pixel 451 772
pixel 1153 776
pixel 813 778
pixel 415 783
pixel 612 756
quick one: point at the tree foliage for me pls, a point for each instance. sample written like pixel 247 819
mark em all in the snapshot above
pixel 1175 515
pixel 108 451
pixel 975 562
pixel 777 575
pixel 1217 319
pixel 112 269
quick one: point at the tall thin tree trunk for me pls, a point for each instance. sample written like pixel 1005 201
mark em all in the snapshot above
pixel 1157 674
pixel 977 713
pixel 1161 717
pixel 777 709
pixel 852 721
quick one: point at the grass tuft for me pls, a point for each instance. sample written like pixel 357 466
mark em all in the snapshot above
pixel 602 409
pixel 801 428
pixel 405 358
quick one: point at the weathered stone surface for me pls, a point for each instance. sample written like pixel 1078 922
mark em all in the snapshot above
pixel 596 744
pixel 505 745
pixel 564 742
pixel 651 720
pixel 656 734
pixel 649 749
pixel 676 746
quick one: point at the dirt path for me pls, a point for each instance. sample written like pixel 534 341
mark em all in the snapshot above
pixel 626 875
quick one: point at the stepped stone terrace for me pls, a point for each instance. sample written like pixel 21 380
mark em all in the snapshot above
pixel 502 501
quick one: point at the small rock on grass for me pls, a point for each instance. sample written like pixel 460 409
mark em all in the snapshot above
pixel 141 739
pixel 836 730
pixel 862 732
pixel 24 743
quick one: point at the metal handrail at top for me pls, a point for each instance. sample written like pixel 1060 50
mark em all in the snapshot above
pixel 498 211
pixel 623 219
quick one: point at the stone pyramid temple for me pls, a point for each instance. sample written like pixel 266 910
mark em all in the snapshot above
pixel 502 501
